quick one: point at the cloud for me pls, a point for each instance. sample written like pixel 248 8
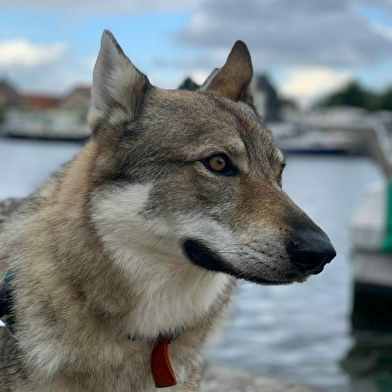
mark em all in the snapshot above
pixel 199 76
pixel 20 52
pixel 206 60
pixel 302 39
pixel 41 68
pixel 310 83
pixel 283 32
pixel 385 5
pixel 100 6
pixel 383 30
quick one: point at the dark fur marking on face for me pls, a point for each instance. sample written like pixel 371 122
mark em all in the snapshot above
pixel 117 177
pixel 200 255
pixel 101 123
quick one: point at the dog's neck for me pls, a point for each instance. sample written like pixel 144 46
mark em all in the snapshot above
pixel 168 291
pixel 172 298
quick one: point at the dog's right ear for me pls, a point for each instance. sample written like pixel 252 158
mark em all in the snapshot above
pixel 117 83
pixel 233 79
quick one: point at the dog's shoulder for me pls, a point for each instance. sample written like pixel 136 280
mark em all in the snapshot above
pixel 12 371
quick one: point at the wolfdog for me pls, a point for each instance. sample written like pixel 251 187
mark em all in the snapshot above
pixel 121 265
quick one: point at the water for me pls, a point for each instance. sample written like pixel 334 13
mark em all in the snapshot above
pixel 299 332
pixel 25 165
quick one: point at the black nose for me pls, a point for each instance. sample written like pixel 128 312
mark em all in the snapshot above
pixel 310 250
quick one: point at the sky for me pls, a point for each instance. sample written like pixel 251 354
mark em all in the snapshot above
pixel 308 47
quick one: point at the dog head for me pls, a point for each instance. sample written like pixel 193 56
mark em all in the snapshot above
pixel 194 176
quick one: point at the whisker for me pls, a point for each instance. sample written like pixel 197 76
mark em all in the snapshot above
pixel 151 249
pixel 197 286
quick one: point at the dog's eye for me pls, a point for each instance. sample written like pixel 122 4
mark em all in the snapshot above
pixel 217 163
pixel 220 164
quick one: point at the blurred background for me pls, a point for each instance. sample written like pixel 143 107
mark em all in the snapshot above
pixel 323 84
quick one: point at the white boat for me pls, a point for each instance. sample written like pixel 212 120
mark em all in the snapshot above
pixel 320 142
pixel 53 124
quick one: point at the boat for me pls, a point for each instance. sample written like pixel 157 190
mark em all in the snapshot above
pixel 372 261
pixel 319 142
pixel 53 124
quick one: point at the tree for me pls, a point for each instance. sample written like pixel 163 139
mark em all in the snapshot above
pixel 189 84
pixel 351 95
pixel 385 100
pixel 355 95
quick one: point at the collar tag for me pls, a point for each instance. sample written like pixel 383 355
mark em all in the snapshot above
pixel 161 368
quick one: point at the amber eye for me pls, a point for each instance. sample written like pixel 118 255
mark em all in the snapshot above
pixel 217 163
pixel 220 164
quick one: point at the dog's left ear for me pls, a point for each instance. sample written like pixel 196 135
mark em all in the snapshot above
pixel 233 79
pixel 117 83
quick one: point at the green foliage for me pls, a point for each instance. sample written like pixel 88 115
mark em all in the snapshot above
pixel 351 95
pixel 189 84
pixel 355 95
pixel 386 99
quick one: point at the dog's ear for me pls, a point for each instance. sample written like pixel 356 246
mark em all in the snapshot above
pixel 117 83
pixel 233 79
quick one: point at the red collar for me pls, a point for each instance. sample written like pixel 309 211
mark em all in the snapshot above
pixel 161 368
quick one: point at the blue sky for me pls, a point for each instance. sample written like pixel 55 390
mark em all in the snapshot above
pixel 308 47
pixel 144 37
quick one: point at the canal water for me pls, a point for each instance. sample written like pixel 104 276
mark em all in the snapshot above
pixel 299 333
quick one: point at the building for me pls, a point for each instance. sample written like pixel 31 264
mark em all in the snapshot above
pixel 8 94
pixel 265 98
pixel 38 102
pixel 78 99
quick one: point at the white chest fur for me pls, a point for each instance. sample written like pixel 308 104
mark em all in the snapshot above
pixel 171 292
